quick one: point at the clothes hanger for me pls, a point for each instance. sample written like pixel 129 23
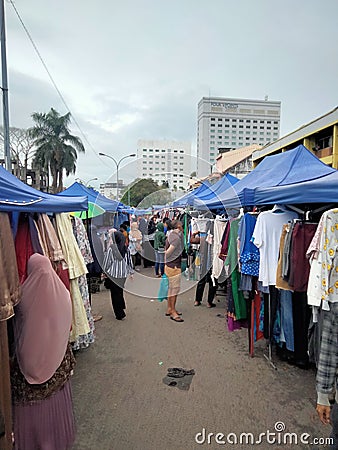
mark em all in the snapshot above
pixel 278 208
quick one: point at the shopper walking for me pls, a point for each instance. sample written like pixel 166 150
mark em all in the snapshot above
pixel 159 243
pixel 117 266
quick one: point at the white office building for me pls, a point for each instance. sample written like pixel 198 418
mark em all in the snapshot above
pixel 229 123
pixel 164 161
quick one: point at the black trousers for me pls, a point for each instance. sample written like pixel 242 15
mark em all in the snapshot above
pixel 200 288
pixel 116 287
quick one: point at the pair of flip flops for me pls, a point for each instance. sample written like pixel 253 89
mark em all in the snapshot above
pixel 178 372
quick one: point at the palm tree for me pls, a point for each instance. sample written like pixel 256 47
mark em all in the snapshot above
pixel 56 149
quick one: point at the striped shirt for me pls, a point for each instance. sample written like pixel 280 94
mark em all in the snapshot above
pixel 328 357
pixel 117 268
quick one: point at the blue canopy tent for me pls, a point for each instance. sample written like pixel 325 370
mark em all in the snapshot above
pixel 188 198
pixel 94 197
pixel 18 196
pixel 294 166
pixel 215 190
pixel 322 190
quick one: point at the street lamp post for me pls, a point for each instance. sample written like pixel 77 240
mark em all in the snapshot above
pixel 117 169
pixel 85 183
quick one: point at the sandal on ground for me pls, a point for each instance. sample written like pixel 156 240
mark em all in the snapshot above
pixel 169 314
pixel 176 319
pixel 211 305
pixel 197 303
pixel 97 317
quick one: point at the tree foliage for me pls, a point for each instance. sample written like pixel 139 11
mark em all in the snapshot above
pixel 55 148
pixel 21 146
pixel 145 192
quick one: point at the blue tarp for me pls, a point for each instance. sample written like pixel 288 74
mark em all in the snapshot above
pixel 215 190
pixel 293 166
pixel 188 198
pixel 322 190
pixel 78 189
pixel 18 196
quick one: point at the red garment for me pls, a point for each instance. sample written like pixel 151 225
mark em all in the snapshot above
pixel 299 264
pixel 23 247
pixel 63 275
pixel 225 242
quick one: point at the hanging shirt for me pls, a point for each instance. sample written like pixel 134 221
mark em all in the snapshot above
pixel 266 237
pixel 249 253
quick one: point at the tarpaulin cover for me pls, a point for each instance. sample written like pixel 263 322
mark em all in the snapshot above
pixel 188 198
pixel 93 197
pixel 293 166
pixel 213 191
pixel 18 196
pixel 322 190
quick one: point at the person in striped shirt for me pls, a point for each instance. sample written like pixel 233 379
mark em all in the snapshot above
pixel 117 265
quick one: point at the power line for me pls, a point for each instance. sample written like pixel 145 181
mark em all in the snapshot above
pixel 51 78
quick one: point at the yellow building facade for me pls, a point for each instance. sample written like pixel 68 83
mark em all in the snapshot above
pixel 319 136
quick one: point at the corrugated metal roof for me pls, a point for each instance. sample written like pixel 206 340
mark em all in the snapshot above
pixel 232 158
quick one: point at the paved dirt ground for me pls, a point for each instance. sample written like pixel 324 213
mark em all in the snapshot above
pixel 122 403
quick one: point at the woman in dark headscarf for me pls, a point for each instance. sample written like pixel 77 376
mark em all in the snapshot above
pixel 117 266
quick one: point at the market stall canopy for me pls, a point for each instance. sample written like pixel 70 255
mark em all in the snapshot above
pixel 293 166
pixel 18 196
pixel 215 190
pixel 188 198
pixel 322 190
pixel 94 197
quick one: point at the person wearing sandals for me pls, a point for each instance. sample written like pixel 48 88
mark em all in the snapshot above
pixel 173 255
pixel 159 243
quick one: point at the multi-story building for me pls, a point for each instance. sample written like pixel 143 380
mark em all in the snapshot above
pixel 164 161
pixel 110 189
pixel 320 136
pixel 233 123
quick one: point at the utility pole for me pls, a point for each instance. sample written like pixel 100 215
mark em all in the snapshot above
pixel 7 151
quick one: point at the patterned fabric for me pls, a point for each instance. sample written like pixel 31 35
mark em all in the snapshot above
pixel 328 356
pixel 10 290
pixel 328 254
pixel 82 240
pixel 116 268
pixel 24 392
pixel 83 340
pixel 250 264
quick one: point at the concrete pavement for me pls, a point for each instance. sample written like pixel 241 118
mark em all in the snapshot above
pixel 121 402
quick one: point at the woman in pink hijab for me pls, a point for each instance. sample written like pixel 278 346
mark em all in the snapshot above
pixel 43 409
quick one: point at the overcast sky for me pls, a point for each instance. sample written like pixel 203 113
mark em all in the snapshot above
pixel 132 70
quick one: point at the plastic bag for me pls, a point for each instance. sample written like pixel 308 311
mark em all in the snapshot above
pixel 164 287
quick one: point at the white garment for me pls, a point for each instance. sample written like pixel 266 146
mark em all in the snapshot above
pixel 266 237
pixel 217 263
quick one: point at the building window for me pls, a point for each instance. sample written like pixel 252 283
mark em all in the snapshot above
pixel 212 125
pixel 255 127
pixel 212 148
pixel 219 142
pixel 248 126
pixel 144 149
pixel 234 126
pixel 151 150
pixel 240 132
pixel 233 143
pixel 181 151
pixel 241 126
pixel 241 120
pixel 268 128
pixel 212 118
pixel 254 121
pixel 212 136
pixel 157 150
pixel 212 142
